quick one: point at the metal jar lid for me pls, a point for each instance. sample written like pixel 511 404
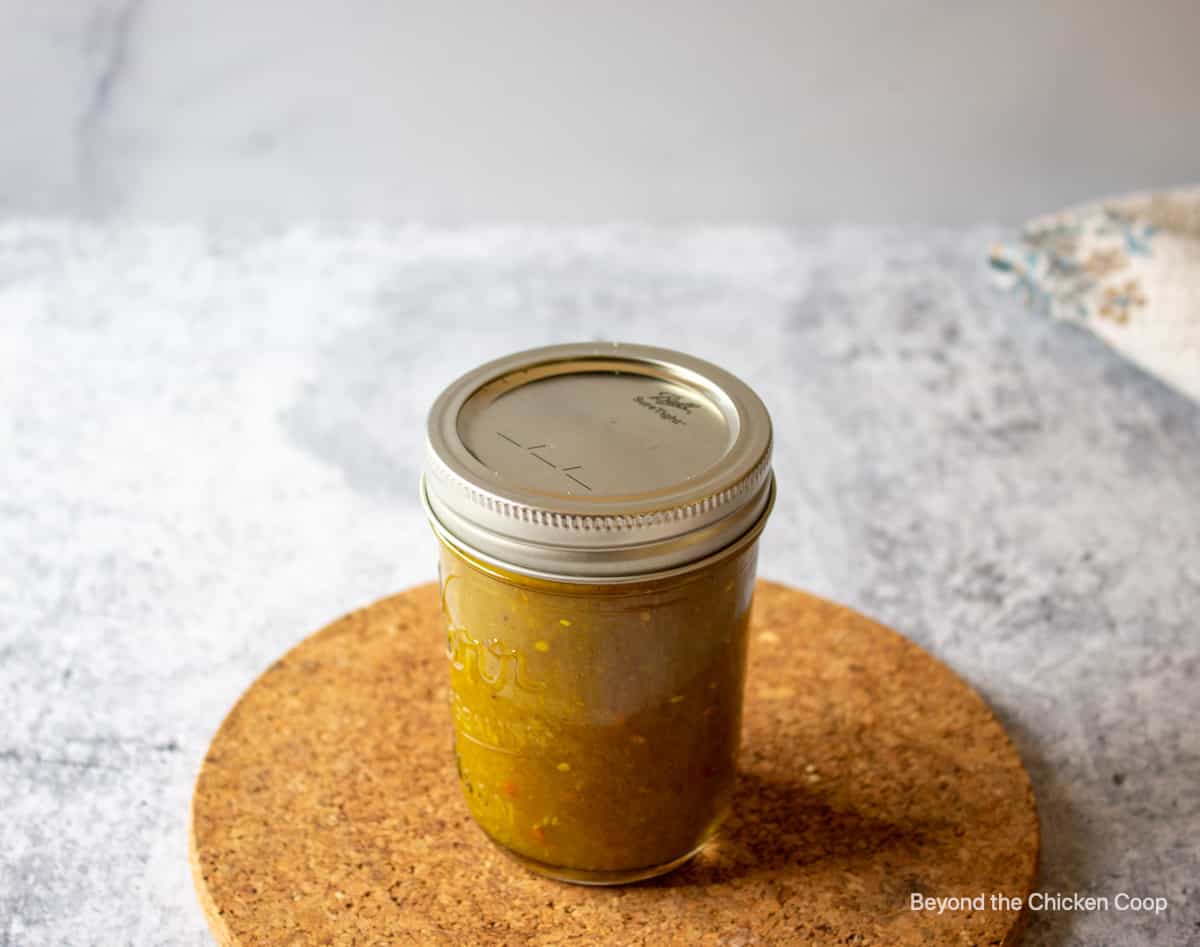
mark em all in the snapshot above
pixel 597 461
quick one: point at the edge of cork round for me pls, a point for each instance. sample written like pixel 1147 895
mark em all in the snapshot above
pixel 327 809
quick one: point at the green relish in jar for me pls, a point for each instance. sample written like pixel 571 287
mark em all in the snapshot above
pixel 598 508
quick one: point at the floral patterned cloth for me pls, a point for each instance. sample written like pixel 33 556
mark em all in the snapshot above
pixel 1127 269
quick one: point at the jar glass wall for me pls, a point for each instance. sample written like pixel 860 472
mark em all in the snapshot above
pixel 597 725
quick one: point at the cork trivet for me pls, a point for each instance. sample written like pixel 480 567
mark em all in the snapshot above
pixel 328 811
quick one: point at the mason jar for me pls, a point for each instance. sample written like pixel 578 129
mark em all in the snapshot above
pixel 598 508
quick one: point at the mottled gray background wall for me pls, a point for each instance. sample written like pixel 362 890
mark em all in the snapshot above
pixel 715 110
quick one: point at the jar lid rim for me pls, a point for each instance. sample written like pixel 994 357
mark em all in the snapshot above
pixel 595 457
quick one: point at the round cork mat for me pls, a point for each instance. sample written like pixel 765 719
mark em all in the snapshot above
pixel 328 810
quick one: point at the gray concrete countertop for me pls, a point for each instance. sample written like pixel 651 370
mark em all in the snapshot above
pixel 209 446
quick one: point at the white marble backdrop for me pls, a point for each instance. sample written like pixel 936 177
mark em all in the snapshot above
pixel 713 110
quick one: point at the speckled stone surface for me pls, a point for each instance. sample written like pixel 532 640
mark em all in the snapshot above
pixel 210 444
pixel 328 809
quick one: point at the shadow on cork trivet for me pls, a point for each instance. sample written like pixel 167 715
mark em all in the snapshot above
pixel 327 810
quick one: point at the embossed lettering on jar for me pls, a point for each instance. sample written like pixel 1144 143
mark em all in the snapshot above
pixel 598 508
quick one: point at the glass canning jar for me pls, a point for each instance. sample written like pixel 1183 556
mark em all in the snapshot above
pixel 598 508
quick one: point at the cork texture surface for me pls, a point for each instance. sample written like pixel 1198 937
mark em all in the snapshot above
pixel 327 810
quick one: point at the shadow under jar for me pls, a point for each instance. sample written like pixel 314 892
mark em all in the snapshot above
pixel 598 508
